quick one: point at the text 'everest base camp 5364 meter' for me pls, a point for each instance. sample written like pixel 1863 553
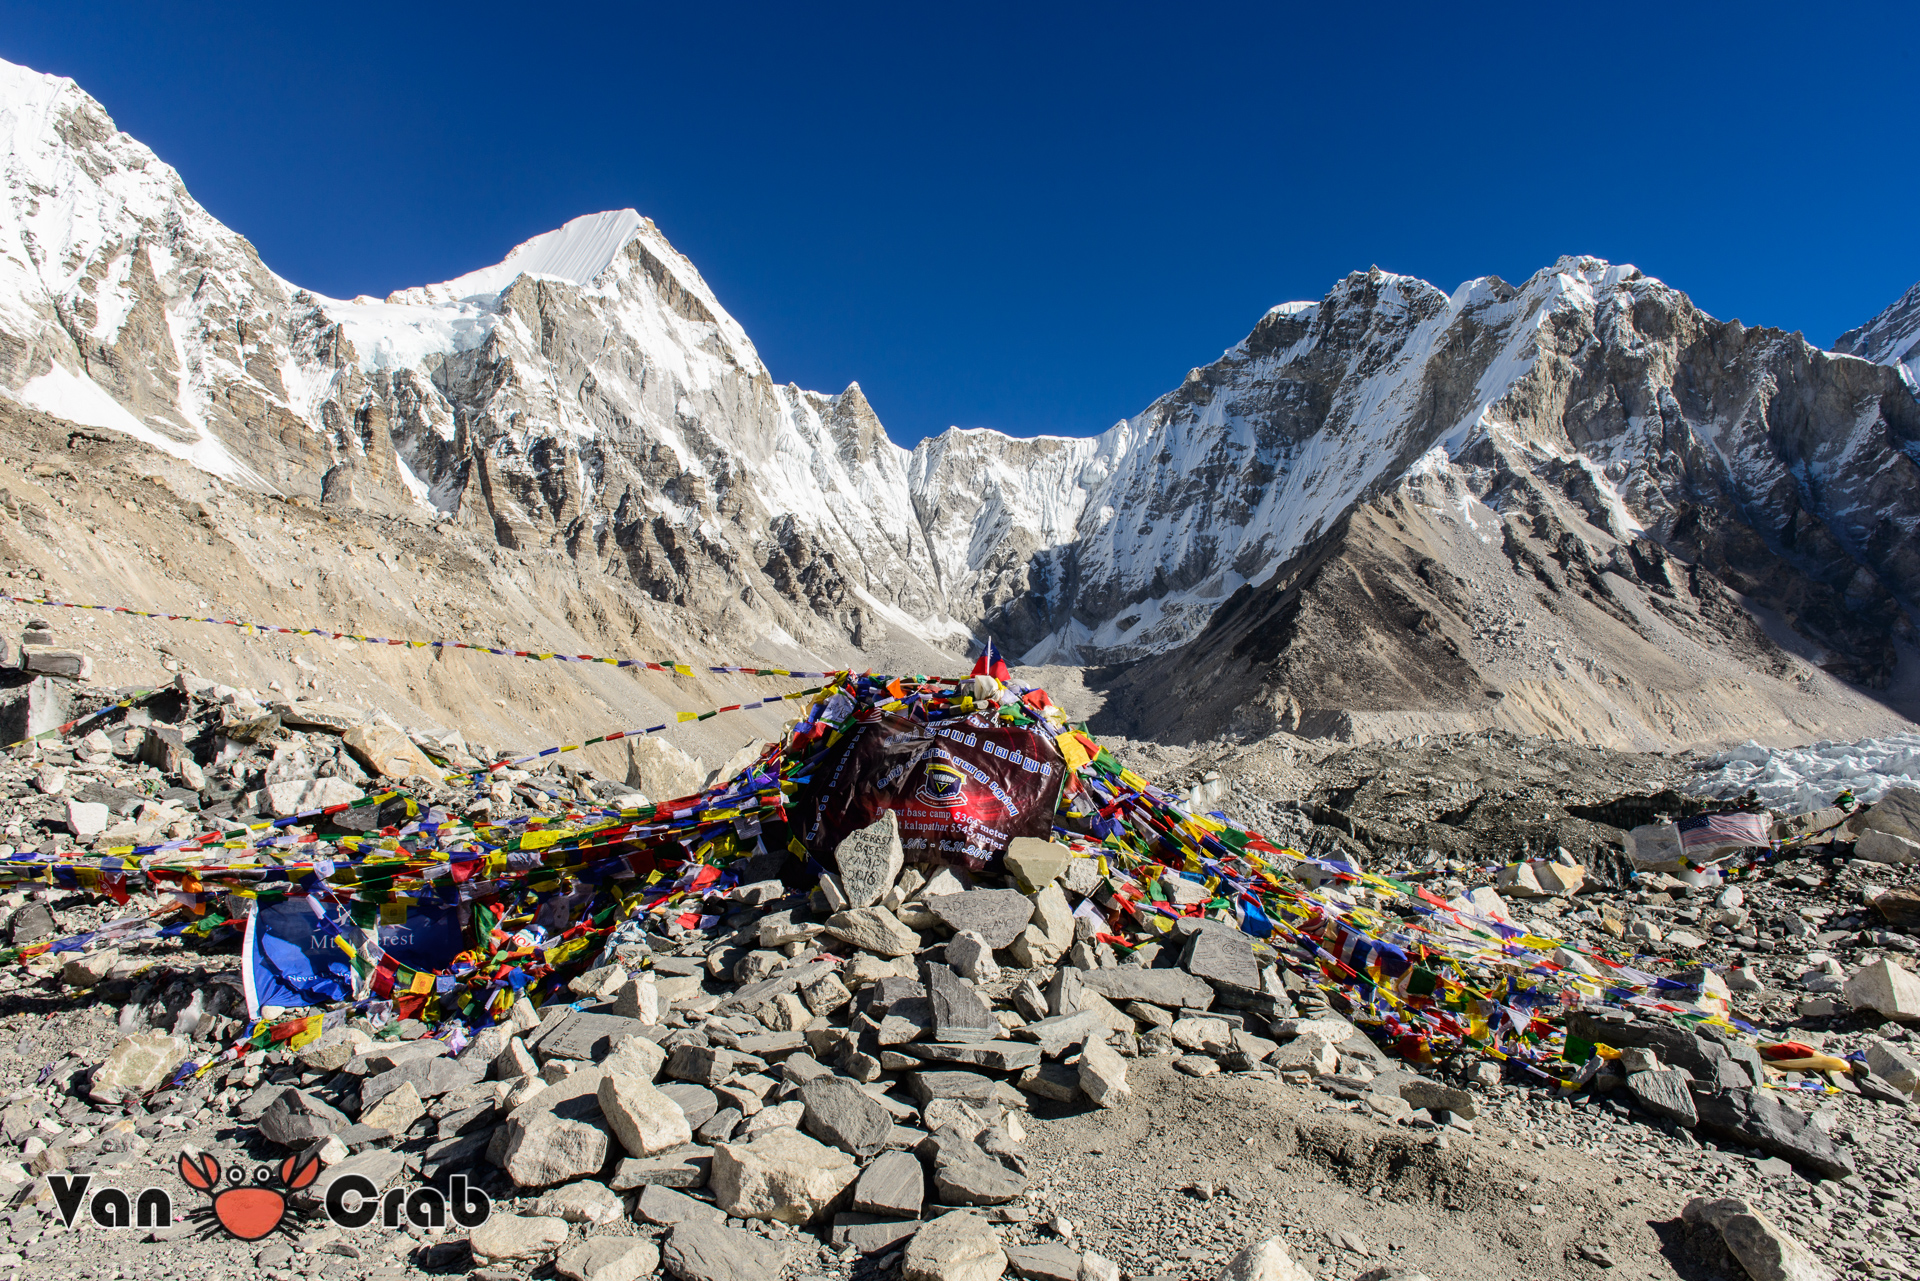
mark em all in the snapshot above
pixel 497 785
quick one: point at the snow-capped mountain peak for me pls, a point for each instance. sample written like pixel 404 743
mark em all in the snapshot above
pixel 1890 338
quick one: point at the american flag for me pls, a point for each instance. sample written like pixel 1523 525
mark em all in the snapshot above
pixel 1722 830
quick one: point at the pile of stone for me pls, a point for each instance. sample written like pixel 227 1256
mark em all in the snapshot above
pixel 857 1067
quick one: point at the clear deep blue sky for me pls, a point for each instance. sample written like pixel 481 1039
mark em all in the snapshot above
pixel 1037 218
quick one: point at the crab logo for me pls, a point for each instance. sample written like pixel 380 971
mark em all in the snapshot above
pixel 942 785
pixel 248 1211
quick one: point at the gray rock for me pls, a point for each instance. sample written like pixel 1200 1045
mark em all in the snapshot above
pixel 893 1185
pixel 1044 1262
pixel 609 1258
pixel 1223 957
pixel 997 916
pixel 516 1236
pixel 582 1202
pixel 958 1012
pixel 1103 1074
pixel 138 1064
pixel 697 1102
pixel 396 1111
pixel 1422 1092
pixel 979 1181
pixel 689 1167
pixel 873 929
pixel 1897 813
pixel 297 1118
pixel 702 1065
pixel 840 1113
pixel 454 1155
pixel 1674 1046
pixel 1893 1065
pixel 1665 1093
pixel 662 1205
pixel 544 1149
pixel 701 1250
pixel 720 1126
pixel 1761 1121
pixel 994 1056
pixel 645 1120
pixel 1056 1035
pixel 414 1072
pixel 869 861
pixel 870 1233
pixel 1171 989
pixel 907 1019
pixel 585 1036
pixel 782 1175
pixel 967 1087
pixel 31 923
pixel 954 1247
pixel 86 818
pixel 1761 1246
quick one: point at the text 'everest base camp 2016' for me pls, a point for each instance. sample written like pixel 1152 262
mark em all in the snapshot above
pixel 1434 795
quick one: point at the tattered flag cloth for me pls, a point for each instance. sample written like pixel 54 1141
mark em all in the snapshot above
pixel 653 665
pixel 448 917
pixel 1714 832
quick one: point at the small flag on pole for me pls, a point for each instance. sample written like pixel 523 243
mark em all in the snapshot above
pixel 990 663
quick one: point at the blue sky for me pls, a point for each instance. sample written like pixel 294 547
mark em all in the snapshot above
pixel 1037 218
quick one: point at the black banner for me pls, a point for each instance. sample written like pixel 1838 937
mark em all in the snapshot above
pixel 961 789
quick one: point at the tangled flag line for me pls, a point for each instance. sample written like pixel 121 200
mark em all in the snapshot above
pixel 674 666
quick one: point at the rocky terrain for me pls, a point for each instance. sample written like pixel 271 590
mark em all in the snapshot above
pixel 962 1080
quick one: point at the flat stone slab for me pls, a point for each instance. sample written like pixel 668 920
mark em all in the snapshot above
pixel 892 1186
pixel 585 1036
pixel 1222 957
pixel 959 1012
pixel 994 1056
pixel 968 1087
pixel 997 916
pixel 1169 989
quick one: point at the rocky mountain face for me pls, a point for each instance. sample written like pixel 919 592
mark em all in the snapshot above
pixel 1662 527
pixel 1890 338
pixel 588 401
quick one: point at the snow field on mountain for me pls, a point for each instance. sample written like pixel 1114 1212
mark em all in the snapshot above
pixel 79 399
pixel 1796 779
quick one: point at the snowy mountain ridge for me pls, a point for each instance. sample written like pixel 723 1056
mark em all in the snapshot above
pixel 589 397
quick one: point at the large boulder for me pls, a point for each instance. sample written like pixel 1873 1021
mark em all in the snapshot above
pixel 516 1236
pixel 1761 1246
pixel 1897 813
pixel 138 1064
pixel 643 1118
pixel 782 1175
pixel 1885 988
pixel 701 1250
pixel 954 1247
pixel 873 929
pixel 1759 1120
pixel 870 860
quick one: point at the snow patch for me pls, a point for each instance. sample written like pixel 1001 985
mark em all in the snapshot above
pixel 79 399
pixel 576 252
